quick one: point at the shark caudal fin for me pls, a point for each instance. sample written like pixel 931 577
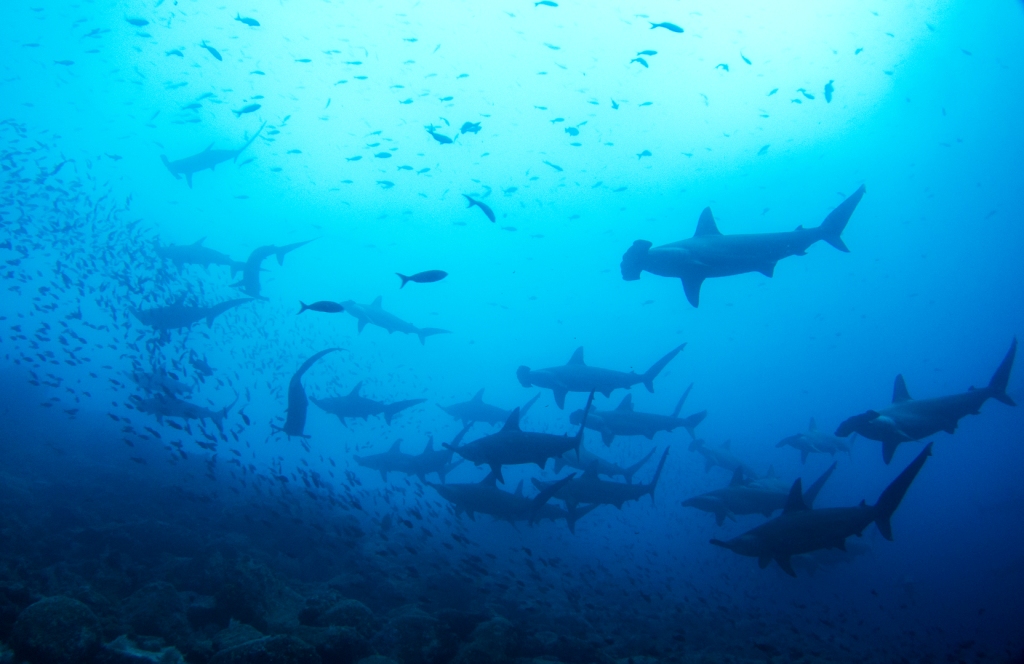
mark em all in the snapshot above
pixel 834 224
pixel 633 260
pixel 657 474
pixel 404 279
pixel 526 406
pixel 576 513
pixel 690 423
pixel 393 409
pixel 813 490
pixel 648 378
pixel 545 495
pixel 682 400
pixel 425 332
pixel 583 424
pixel 893 494
pixel 631 470
pixel 303 305
pixel 997 386
pixel 250 141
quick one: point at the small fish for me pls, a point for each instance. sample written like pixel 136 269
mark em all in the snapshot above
pixel 545 3
pixel 647 53
pixel 828 91
pixel 251 22
pixel 722 66
pixel 428 277
pixel 446 98
pixel 645 153
pixel 257 72
pixel 640 60
pixel 440 138
pixel 646 103
pixel 385 184
pixel 762 151
pixel 422 171
pixel 407 101
pixel 805 93
pixel 572 131
pixel 303 60
pixel 858 51
pixel 405 168
pixel 671 27
pixel 214 52
pixel 470 128
pixel 246 109
pixel 554 166
pixel 488 212
pixel 324 306
pixel 138 22
pixel 746 59
pixel 774 90
pixel 383 155
pixel 175 51
pixel 66 63
pixel 615 105
pixel 355 158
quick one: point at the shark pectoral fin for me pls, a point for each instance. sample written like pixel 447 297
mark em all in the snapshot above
pixel 786 564
pixel 764 560
pixel 803 456
pixel 607 437
pixel 560 398
pixel 841 544
pixel 691 286
pixel 188 179
pixel 384 475
pixel 360 325
pixel 767 270
pixel 720 518
pixel 888 449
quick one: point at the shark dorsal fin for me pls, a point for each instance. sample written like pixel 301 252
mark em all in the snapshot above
pixel 795 501
pixel 492 479
pixel 899 390
pixel 376 302
pixel 209 147
pixel 577 357
pixel 355 390
pixel 813 426
pixel 626 403
pixel 479 396
pixel 396 446
pixel 199 242
pixel 430 444
pixel 771 471
pixel 727 445
pixel 519 489
pixel 737 477
pixel 512 423
pixel 706 224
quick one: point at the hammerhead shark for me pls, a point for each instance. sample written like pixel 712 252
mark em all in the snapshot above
pixel 485 497
pixel 196 254
pixel 577 376
pixel 167 405
pixel 475 410
pixel 710 254
pixel 355 405
pixel 177 315
pixel 815 441
pixel 207 159
pixel 800 529
pixel 512 446
pixel 298 404
pixel 374 314
pixel 589 488
pixel 721 457
pixel 426 462
pixel 584 459
pixel 250 282
pixel 625 421
pixel 744 497
pixel 908 419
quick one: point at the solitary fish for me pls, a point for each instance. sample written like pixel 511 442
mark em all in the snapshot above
pixel 176 52
pixel 325 306
pixel 545 3
pixel 828 91
pixel 440 138
pixel 470 128
pixel 246 109
pixel 138 22
pixel 214 52
pixel 671 27
pixel 483 207
pixel 645 153
pixel 251 22
pixel 647 53
pixel 428 277
pixel 640 60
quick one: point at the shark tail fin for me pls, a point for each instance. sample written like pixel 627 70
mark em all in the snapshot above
pixel 691 422
pixel 546 494
pixel 631 470
pixel 425 332
pixel 834 224
pixel 682 400
pixel 404 279
pixel 893 494
pixel 657 474
pixel 652 373
pixel 997 386
pixel 633 260
pixel 526 406
pixel 393 409
pixel 303 305
pixel 583 423
pixel 813 490
pixel 576 513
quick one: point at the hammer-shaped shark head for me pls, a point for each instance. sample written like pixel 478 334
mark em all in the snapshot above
pixel 633 260
pixel 746 544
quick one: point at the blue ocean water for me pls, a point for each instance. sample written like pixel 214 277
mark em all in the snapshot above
pixel 521 148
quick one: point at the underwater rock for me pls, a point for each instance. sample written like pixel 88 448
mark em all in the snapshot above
pixel 412 636
pixel 350 613
pixel 13 600
pixel 462 623
pixel 6 655
pixel 269 650
pixel 235 634
pixel 156 609
pixel 56 630
pixel 491 642
pixel 376 659
pixel 336 645
pixel 201 610
pixel 123 651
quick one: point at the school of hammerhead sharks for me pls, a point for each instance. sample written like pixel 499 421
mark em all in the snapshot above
pixel 799 529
